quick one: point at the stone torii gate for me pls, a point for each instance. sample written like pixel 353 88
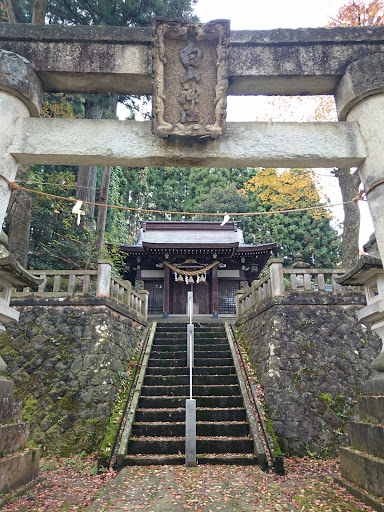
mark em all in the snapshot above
pixel 345 62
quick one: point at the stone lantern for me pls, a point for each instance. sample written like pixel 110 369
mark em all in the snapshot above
pixel 369 273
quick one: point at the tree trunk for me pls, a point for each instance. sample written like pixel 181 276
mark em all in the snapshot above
pixel 39 12
pixel 87 177
pixel 349 184
pixel 102 215
pixel 10 11
pixel 19 212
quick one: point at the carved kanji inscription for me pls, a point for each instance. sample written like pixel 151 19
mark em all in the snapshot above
pixel 190 78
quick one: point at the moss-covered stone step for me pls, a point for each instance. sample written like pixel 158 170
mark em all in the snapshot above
pixel 201 370
pixel 169 354
pixel 183 380
pixel 199 345
pixel 174 326
pixel 172 445
pixel 198 335
pixel 367 437
pixel 362 469
pixel 213 354
pixel 210 335
pixel 214 361
pixel 168 363
pixel 182 337
pixel 13 437
pixel 198 391
pixel 371 408
pixel 153 460
pixel 170 429
pixel 233 459
pixel 179 352
pixel 202 414
pixel 199 354
pixel 199 361
pixel 167 402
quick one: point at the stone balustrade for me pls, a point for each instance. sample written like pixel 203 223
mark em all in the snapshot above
pixel 279 282
pixel 99 283
pixel 313 279
pixel 61 283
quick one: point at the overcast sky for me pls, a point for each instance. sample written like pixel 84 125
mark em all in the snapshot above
pixel 263 15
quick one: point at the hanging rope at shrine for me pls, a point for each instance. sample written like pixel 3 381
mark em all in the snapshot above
pixel 361 196
pixel 190 273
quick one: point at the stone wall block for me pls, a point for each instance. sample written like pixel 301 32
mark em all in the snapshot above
pixel 68 380
pixel 312 360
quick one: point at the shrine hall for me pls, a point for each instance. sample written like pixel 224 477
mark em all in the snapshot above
pixel 210 259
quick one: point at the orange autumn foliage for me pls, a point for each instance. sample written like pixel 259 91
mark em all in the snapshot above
pixel 358 13
pixel 285 189
pixel 57 105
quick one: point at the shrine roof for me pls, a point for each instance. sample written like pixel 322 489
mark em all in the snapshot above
pixel 207 235
pixel 197 233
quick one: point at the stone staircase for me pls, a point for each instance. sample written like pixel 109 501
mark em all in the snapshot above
pixel 158 434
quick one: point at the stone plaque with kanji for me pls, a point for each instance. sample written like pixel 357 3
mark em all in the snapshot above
pixel 190 78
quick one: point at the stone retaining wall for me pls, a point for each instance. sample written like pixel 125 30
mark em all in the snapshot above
pixel 65 362
pixel 312 356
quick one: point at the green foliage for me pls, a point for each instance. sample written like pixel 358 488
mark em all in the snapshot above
pixel 56 242
pixel 126 380
pixel 106 12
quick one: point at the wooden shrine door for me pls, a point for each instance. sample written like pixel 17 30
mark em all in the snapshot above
pixel 201 297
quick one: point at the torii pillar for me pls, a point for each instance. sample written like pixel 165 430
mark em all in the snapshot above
pixel 20 96
pixel 360 98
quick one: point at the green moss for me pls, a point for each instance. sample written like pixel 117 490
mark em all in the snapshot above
pixel 276 448
pixel 114 426
pixel 30 407
pixel 70 403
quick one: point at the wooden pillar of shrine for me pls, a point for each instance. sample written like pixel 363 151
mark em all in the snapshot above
pixel 166 292
pixel 215 293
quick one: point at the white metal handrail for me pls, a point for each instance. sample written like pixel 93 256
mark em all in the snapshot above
pixel 190 404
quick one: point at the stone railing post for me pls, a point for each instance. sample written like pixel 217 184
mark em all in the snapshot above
pixel 238 296
pixel 276 277
pixel 104 274
pixel 255 293
pixel 127 293
pixel 143 294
